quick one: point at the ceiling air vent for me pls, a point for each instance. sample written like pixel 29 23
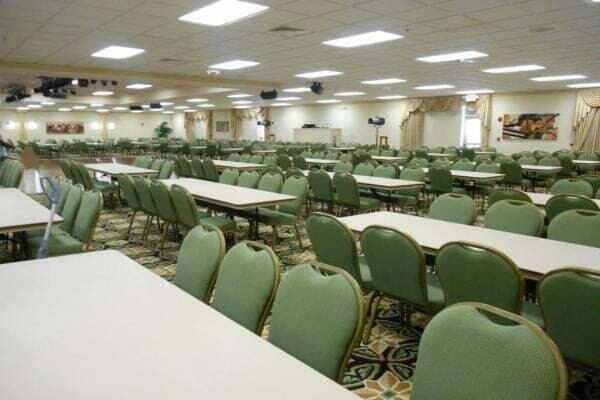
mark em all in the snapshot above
pixel 170 60
pixel 286 30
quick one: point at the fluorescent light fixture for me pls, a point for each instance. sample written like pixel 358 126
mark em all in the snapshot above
pixel 206 105
pixel 189 110
pixel 280 104
pixel 238 102
pixel 34 106
pixel 558 78
pixel 459 56
pixel 585 85
pixel 180 107
pixel 103 110
pixel 296 90
pixel 79 107
pixel 391 97
pixel 241 107
pixel 330 101
pixel 363 39
pixel 318 74
pixel 223 12
pixel 289 98
pixel 348 94
pixel 25 109
pixel 75 82
pixel 139 86
pixel 166 103
pixel 515 68
pixel 239 95
pixel 386 81
pixel 137 111
pixel 196 100
pixel 96 105
pixel 48 103
pixel 475 91
pixel 168 112
pixel 103 93
pixel 433 87
pixel 64 109
pixel 117 52
pixel 234 64
pixel 120 108
pixel 145 106
pixel 155 109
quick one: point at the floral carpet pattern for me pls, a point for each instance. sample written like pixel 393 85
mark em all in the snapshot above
pixel 379 370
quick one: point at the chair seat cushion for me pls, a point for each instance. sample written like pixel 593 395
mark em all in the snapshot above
pixel 224 223
pixel 531 311
pixel 58 245
pixel 40 232
pixel 435 294
pixel 368 203
pixel 274 217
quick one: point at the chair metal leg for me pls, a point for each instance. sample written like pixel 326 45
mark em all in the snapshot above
pixel 274 235
pixel 164 235
pixel 297 229
pixel 131 222
pixel 372 306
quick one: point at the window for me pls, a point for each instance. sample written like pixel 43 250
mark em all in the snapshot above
pixel 260 133
pixel 470 135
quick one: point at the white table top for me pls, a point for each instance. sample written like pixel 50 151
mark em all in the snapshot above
pixel 198 147
pixel 51 145
pixel 222 164
pixel 99 326
pixel 321 161
pixel 264 151
pixel 586 162
pixel 21 213
pixel 232 149
pixel 343 148
pixel 485 153
pixel 229 196
pixel 115 169
pixel 376 182
pixel 534 255
pixel 441 155
pixel 541 168
pixel 473 175
pixel 540 199
pixel 388 158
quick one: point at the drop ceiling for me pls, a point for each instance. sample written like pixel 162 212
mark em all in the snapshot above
pixel 561 35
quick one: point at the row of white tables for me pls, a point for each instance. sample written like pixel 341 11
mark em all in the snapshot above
pixel 239 165
pixel 540 199
pixel 100 326
pixel 533 255
pixel 375 182
pixel 117 169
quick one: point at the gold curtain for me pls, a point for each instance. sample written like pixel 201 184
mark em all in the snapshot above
pixel 482 107
pixel 413 120
pixel 239 115
pixel 587 120
pixel 192 118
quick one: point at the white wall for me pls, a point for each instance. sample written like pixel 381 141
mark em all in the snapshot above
pixel 543 102
pixel 442 129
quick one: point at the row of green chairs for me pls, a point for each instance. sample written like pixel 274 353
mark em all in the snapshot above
pixel 321 337
pixel 77 173
pixel 80 210
pixel 163 167
pixel 247 158
pixel 11 173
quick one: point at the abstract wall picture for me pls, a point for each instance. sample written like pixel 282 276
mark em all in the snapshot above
pixel 222 126
pixel 530 127
pixel 65 128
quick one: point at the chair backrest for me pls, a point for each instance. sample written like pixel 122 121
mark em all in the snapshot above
pixel 284 162
pixel 564 202
pixel 441 180
pixel 569 302
pixel 166 170
pixel 245 158
pixel 198 168
pixel 84 175
pixel 200 255
pixel 572 186
pixel 127 186
pixel 364 168
pixel 464 165
pixel 413 174
pixel 65 166
pixel 488 166
pixel 528 161
pixel 270 160
pixel 185 207
pixel 321 184
pixel 347 190
pixel 210 171
pixel 453 207
pixel 87 217
pixel 515 216
pixel 229 176
pixel 300 162
pixel 162 199
pixel 233 157
pixel 142 187
pixel 513 173
pixel 71 207
pixel 270 182
pixel 157 164
pixel 418 162
pixel 294 186
pixel 333 243
pixel 256 159
pixel 397 265
pixel 321 337
pixel 246 284
pixel 472 272
pixel 576 226
pixel 499 194
pixel 65 188
pixel 343 166
pixel 248 179
pixel 461 339
pixel 386 171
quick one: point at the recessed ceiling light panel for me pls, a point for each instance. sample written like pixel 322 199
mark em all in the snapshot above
pixel 289 98
pixel 239 95
pixel 103 93
pixel 318 74
pixel 280 104
pixel 296 90
pixel 139 86
pixel 348 94
pixel 223 12
pixel 386 81
pixel 330 101
pixel 475 91
pixel 79 107
pixel 241 102
pixel 434 87
pixel 234 64
pixel 391 97
pixel 363 39
pixel 206 105
pixel 514 68
pixel 584 85
pixel 557 78
pixel 117 52
pixel 459 56
pixel 196 100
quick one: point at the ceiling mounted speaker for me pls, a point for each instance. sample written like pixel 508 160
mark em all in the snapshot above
pixel 268 95
pixel 316 88
pixel 155 106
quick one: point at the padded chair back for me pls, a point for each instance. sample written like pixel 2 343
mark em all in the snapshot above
pixel 157 165
pixel 397 265
pixel 365 168
pixel 162 200
pixel 130 193
pixel 283 161
pixel 185 207
pixel 386 171
pixel 246 284
pixel 142 187
pixel 210 171
pixel 166 170
pixel 569 302
pixel 270 182
pixel 245 158
pixel 321 184
pixel 229 177
pixel 462 340
pixel 87 217
pixel 71 207
pixel 300 162
pixel 527 161
pixel 294 186
pixel 65 166
pixel 515 216
pixel 453 207
pixel 513 173
pixel 343 166
pixel 333 243
pixel 198 168
pixel 507 194
pixel 464 165
pixel 565 202
pixel 200 255
pixel 321 337
pixel 84 175
pixel 234 157
pixel 572 186
pixel 270 160
pixel 248 179
pixel 441 180
pixel 347 190
pixel 471 272
pixel 488 166
pixel 576 226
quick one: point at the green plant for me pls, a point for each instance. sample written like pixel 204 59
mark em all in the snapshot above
pixel 163 130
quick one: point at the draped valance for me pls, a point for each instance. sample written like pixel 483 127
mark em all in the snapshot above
pixel 586 124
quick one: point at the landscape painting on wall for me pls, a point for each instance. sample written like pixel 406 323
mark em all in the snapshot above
pixel 222 126
pixel 530 127
pixel 65 128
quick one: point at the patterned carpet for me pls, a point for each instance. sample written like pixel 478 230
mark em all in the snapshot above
pixel 377 371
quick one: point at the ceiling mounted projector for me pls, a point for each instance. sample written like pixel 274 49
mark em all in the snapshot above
pixel 268 95
pixel 316 88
